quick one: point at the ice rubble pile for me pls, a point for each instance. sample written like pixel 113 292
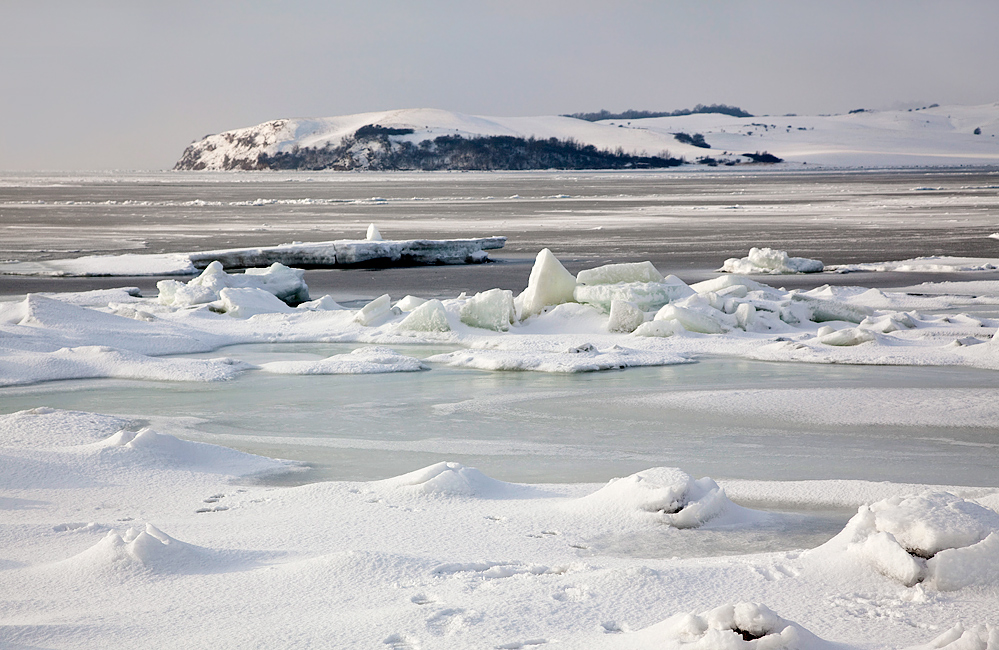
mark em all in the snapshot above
pixel 934 538
pixel 257 289
pixel 772 261
pixel 638 299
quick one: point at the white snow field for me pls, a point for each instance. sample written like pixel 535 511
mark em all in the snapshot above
pixel 121 524
pixel 938 135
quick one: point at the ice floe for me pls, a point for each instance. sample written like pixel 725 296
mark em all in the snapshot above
pixel 772 261
pixel 371 250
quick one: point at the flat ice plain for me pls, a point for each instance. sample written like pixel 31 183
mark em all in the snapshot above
pixel 853 488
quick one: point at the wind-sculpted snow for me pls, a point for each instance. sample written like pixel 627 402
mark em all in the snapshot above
pixel 112 534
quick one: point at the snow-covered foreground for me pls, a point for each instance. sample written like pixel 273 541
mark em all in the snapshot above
pixel 114 531
pixel 118 534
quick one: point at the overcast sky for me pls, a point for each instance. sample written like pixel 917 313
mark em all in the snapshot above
pixel 127 85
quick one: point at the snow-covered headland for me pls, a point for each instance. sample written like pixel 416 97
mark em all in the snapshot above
pixel 438 139
pixel 116 532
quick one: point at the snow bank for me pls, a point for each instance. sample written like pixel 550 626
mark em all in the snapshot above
pixel 772 261
pixel 362 361
pixel 935 538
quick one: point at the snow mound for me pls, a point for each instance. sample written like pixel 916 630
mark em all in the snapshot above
pixel 740 626
pixel 666 494
pixel 772 261
pixel 933 538
pixel 143 550
pixel 453 479
pixel 581 358
pixel 161 450
pixel 285 283
pixel 549 284
pixel 47 427
pixel 979 637
pixel 362 361
pixel 373 234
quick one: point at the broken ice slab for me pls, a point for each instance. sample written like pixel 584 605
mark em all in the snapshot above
pixel 412 252
pixel 340 253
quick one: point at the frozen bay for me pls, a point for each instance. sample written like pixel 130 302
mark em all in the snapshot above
pixel 455 507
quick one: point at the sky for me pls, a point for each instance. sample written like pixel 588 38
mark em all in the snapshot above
pixel 128 85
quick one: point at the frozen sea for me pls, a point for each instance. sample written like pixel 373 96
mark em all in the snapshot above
pixel 790 421
pixel 348 506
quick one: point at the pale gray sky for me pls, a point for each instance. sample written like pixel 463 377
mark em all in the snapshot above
pixel 127 85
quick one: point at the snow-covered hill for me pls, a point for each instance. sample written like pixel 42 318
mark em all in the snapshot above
pixel 932 136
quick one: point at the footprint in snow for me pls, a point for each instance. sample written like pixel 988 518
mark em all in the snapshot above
pixel 451 621
pixel 402 642
pixel 611 627
pixel 776 572
pixel 516 645
pixel 212 509
pixel 423 599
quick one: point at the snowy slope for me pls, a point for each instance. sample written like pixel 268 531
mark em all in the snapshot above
pixel 942 135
